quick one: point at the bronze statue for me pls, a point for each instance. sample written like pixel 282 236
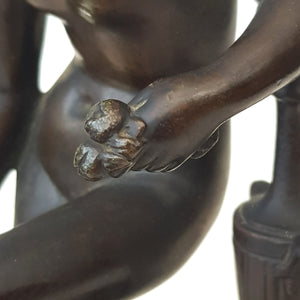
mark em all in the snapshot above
pixel 158 81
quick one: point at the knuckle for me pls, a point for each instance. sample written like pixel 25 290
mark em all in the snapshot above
pixel 105 118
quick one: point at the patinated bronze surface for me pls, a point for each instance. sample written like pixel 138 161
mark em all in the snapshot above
pixel 146 103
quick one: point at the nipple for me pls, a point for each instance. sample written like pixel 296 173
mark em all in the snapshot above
pixel 90 9
pixel 86 10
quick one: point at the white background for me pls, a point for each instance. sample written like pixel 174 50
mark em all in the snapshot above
pixel 210 273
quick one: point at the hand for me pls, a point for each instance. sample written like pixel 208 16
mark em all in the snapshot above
pixel 157 131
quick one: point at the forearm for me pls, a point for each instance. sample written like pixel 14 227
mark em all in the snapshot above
pixel 262 61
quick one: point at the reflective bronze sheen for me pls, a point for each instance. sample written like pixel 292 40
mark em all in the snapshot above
pixel 146 102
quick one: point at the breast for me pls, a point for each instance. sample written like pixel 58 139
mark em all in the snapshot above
pixel 136 42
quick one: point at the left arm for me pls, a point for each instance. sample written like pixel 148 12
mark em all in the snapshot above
pixel 21 30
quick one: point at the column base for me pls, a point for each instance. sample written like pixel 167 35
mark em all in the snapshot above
pixel 267 260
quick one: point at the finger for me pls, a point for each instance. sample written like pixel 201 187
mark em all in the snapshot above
pixel 115 164
pixel 143 162
pixel 171 166
pixel 127 148
pixel 207 145
pixel 133 128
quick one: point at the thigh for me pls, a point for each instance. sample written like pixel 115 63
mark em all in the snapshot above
pixel 47 178
pixel 118 240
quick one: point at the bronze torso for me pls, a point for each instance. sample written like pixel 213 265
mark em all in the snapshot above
pixel 121 47
pixel 163 80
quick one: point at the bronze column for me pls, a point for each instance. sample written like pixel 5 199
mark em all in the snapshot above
pixel 267 228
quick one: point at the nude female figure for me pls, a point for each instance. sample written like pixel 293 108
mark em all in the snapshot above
pixel 116 238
